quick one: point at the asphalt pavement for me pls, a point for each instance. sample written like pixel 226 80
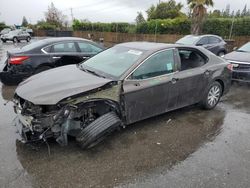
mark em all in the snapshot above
pixel 189 147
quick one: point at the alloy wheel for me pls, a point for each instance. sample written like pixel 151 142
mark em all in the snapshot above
pixel 213 95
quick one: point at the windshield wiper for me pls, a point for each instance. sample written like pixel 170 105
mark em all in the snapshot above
pixel 90 71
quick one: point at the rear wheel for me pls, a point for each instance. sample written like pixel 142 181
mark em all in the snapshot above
pixel 42 68
pixel 221 53
pixel 15 40
pixel 96 131
pixel 212 96
pixel 28 39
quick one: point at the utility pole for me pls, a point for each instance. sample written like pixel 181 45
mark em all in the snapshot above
pixel 72 15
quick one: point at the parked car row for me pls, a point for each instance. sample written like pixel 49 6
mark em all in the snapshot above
pixel 100 91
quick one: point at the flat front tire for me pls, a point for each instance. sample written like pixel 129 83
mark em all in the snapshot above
pixel 96 131
pixel 212 96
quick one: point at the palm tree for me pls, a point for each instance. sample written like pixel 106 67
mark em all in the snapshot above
pixel 199 11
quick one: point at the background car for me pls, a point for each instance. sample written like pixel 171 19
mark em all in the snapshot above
pixel 46 54
pixel 213 43
pixel 5 31
pixel 122 85
pixel 240 59
pixel 16 36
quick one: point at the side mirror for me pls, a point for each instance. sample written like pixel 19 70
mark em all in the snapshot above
pixel 235 48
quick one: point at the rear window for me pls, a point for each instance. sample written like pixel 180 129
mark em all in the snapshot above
pixel 34 45
pixel 188 40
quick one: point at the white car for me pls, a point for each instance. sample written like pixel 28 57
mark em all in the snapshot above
pixel 16 36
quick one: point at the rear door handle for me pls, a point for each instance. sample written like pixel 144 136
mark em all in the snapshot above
pixel 56 57
pixel 174 80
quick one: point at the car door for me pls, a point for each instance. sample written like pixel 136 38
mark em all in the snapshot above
pixel 20 35
pixel 214 44
pixel 192 78
pixel 88 50
pixel 147 91
pixel 65 53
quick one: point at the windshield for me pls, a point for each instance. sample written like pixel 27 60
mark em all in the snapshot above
pixel 244 48
pixel 188 40
pixel 33 45
pixel 114 61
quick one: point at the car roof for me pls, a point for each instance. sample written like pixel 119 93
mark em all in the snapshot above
pixel 206 35
pixel 153 46
pixel 147 46
pixel 59 39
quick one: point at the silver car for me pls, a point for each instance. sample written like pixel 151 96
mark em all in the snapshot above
pixel 16 36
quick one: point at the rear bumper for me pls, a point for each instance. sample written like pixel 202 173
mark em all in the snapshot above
pixel 242 76
pixel 11 78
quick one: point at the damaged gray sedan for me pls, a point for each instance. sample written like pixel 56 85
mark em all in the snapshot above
pixel 122 85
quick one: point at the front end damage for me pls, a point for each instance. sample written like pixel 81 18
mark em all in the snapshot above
pixel 70 117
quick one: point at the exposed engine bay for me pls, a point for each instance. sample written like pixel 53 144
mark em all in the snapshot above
pixel 41 122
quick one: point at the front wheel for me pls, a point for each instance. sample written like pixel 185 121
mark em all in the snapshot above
pixel 212 96
pixel 96 131
pixel 15 40
pixel 3 40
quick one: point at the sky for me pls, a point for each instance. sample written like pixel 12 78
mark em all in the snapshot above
pixel 93 10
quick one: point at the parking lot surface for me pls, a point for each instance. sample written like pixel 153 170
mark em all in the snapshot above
pixel 185 148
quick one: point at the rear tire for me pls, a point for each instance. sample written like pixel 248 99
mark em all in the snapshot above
pixel 221 53
pixel 41 69
pixel 28 39
pixel 96 131
pixel 212 96
pixel 15 40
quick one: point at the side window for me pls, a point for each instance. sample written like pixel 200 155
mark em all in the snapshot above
pixel 214 40
pixel 159 64
pixel 47 49
pixel 202 41
pixel 64 47
pixel 85 47
pixel 191 59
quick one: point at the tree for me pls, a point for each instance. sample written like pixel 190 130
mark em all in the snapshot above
pixel 164 10
pixel 199 11
pixel 54 17
pixel 244 11
pixel 139 18
pixel 24 22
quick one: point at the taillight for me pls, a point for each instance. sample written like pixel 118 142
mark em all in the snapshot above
pixel 18 60
pixel 230 67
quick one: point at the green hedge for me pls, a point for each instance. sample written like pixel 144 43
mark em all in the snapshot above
pixel 218 26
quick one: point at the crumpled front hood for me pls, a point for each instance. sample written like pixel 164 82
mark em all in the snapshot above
pixel 50 87
pixel 238 56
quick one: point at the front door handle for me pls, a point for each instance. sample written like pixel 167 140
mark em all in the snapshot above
pixel 174 80
pixel 56 57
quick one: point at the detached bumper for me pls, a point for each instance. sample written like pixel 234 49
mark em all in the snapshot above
pixel 243 76
pixel 11 78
